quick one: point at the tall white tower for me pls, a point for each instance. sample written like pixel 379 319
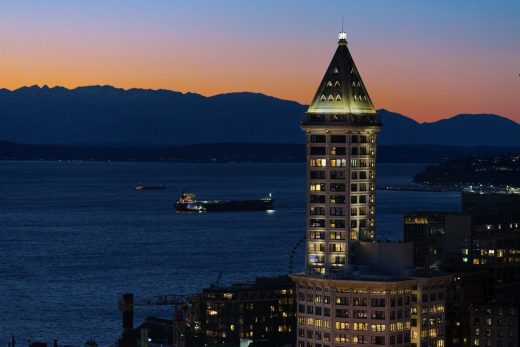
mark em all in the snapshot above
pixel 341 127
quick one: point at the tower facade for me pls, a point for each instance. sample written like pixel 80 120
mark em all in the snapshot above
pixel 341 127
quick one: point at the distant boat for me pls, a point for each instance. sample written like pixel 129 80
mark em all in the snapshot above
pixel 188 203
pixel 142 187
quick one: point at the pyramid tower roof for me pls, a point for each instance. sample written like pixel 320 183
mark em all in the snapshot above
pixel 342 90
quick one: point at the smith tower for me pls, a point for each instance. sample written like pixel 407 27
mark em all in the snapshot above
pixel 341 127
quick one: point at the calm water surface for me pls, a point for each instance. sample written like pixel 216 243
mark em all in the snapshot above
pixel 74 236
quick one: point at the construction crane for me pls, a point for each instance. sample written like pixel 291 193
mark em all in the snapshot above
pixel 126 306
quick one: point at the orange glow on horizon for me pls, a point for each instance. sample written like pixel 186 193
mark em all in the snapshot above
pixel 411 77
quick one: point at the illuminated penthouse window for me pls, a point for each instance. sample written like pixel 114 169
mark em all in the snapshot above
pixel 338 162
pixel 318 162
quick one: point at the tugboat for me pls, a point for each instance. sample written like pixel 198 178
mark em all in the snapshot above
pixel 187 203
pixel 143 187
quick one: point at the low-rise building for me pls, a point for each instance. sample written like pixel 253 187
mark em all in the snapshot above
pixel 261 311
pixel 496 322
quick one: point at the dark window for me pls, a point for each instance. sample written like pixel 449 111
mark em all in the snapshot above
pixel 337 187
pixel 340 300
pixel 338 138
pixel 317 223
pixel 317 117
pixel 338 151
pixel 317 211
pixel 337 211
pixel 337 199
pixel 317 199
pixel 318 138
pixel 339 117
pixel 338 224
pixel 378 315
pixel 337 175
pixel 341 313
pixel 360 314
pixel 317 150
pixel 318 175
pixel 377 303
pixel 378 340
pixel 360 301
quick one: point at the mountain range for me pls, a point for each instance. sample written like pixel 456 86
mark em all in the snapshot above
pixel 112 116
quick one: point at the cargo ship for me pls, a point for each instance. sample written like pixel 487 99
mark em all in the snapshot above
pixel 188 203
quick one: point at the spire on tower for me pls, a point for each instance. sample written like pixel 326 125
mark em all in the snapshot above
pixel 342 90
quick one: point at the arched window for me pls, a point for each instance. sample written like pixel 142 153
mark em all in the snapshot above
pixel 355 97
pixel 336 71
pixel 365 97
pixel 323 98
pixel 338 98
pixel 329 84
pixel 337 84
pixel 331 98
pixel 353 83
pixel 359 84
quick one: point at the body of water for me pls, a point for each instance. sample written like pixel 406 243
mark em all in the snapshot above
pixel 74 236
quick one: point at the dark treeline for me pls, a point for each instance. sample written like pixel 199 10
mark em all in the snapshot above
pixel 497 170
pixel 232 152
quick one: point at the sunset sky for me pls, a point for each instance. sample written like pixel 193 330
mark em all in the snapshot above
pixel 425 59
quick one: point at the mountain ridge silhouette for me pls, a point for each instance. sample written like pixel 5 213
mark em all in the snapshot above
pixel 110 115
